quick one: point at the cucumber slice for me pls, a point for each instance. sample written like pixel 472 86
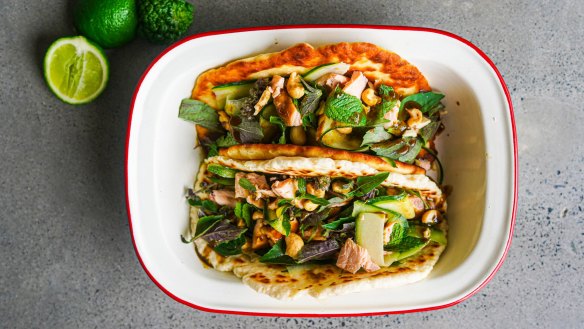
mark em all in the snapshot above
pixel 402 206
pixel 233 90
pixel 436 235
pixel 330 137
pixel 369 235
pixel 319 71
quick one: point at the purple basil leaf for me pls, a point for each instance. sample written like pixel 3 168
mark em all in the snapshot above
pixel 222 232
pixel 318 250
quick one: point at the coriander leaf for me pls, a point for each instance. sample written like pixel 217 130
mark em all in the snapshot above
pixel 205 223
pixel 404 150
pixel 345 108
pixel 226 141
pixel 278 121
pixel 230 248
pixel 375 135
pixel 366 184
pixel 334 225
pixel 246 131
pixel 429 130
pixel 309 102
pixel 426 101
pixel 318 250
pixel 276 255
pixel 246 184
pixel 199 113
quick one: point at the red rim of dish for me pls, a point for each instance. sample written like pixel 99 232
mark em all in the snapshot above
pixel 320 26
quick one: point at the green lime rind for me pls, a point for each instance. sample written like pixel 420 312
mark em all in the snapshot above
pixel 76 78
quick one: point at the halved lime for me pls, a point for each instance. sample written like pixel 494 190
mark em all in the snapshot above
pixel 76 70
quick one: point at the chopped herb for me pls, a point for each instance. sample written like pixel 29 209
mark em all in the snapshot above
pixel 428 131
pixel 318 250
pixel 301 186
pixel 232 247
pixel 223 181
pixel 404 150
pixel 246 184
pixel 366 184
pixel 314 199
pixel 199 113
pixel 213 151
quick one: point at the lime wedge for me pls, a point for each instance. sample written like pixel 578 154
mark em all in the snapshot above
pixel 76 70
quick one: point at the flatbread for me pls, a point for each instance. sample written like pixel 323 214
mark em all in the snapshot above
pixel 375 62
pixel 271 151
pixel 322 280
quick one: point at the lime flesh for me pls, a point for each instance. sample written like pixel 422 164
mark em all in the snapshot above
pixel 76 70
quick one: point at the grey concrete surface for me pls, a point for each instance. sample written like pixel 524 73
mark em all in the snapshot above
pixel 66 257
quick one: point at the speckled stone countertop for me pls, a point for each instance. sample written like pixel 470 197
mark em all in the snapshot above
pixel 66 257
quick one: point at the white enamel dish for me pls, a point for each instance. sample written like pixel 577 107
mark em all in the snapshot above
pixel 161 163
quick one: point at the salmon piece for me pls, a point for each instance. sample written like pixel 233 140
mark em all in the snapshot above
pixel 332 80
pixel 357 84
pixel 223 198
pixel 352 257
pixel 285 189
pixel 277 85
pixel 262 189
pixel 287 110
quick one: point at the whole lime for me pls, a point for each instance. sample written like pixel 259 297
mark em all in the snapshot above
pixel 109 23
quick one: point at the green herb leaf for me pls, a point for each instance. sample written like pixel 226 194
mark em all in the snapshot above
pixel 222 171
pixel 310 120
pixel 207 205
pixel 226 141
pixel 386 92
pixel 276 255
pixel 375 135
pixel 213 151
pixel 246 131
pixel 246 184
pixel 232 247
pixel 366 184
pixel 199 113
pixel 334 225
pixel 429 130
pixel 404 150
pixel 427 101
pixel 406 243
pixel 223 181
pixel 311 98
pixel 278 121
pixel 205 223
pixel 345 108
pixel 301 186
pixel 314 199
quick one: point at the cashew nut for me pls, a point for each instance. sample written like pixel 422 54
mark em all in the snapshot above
pixel 368 96
pixel 294 87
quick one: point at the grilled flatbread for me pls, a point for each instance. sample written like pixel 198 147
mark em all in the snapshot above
pixel 375 62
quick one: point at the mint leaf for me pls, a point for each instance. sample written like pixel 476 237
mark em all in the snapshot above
pixel 200 113
pixel 386 92
pixel 366 184
pixel 345 108
pixel 375 135
pixel 222 171
pixel 427 102
pixel 246 184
